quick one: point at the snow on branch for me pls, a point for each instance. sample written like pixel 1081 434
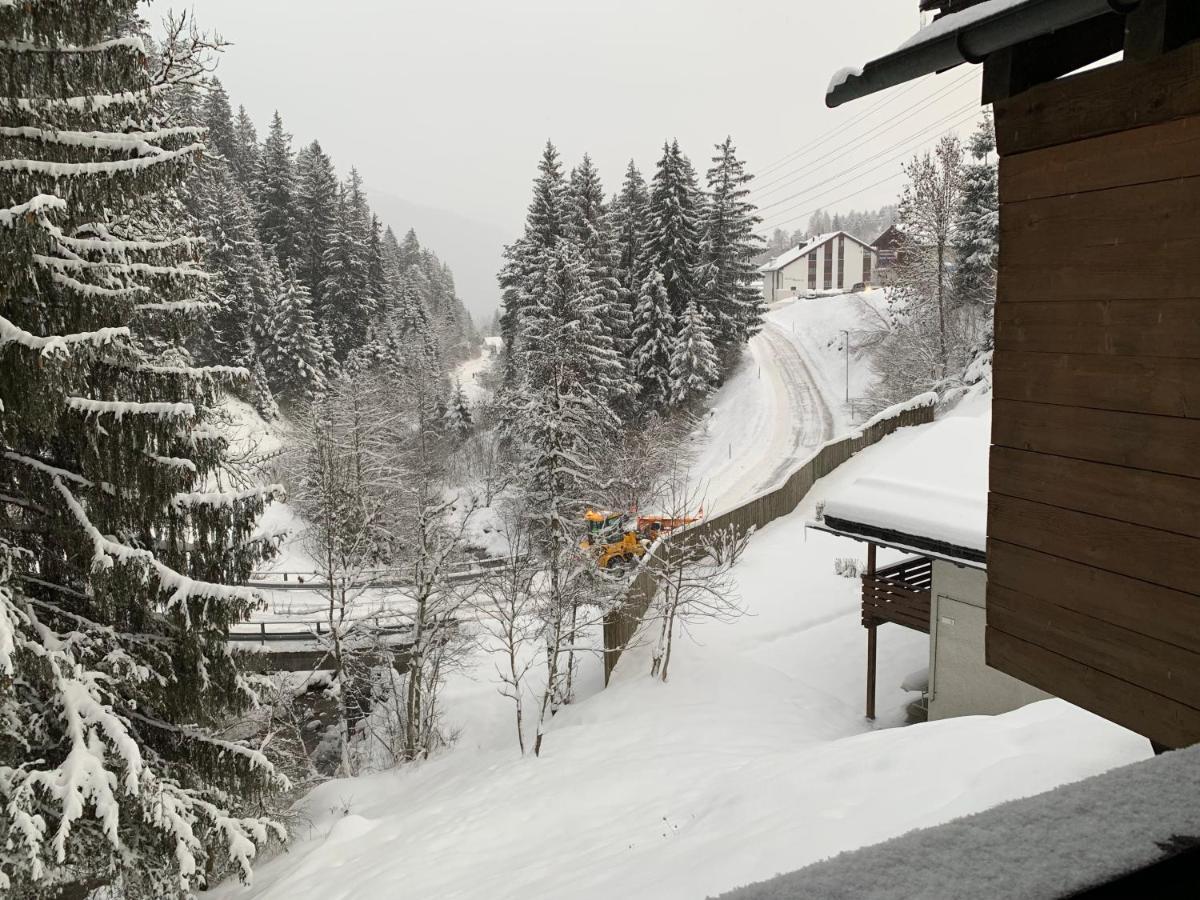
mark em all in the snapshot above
pixel 130 43
pixel 227 498
pixel 79 265
pixel 108 167
pixel 95 290
pixel 56 343
pixel 47 468
pixel 35 207
pixel 139 142
pixel 176 305
pixel 198 371
pixel 122 408
pixel 106 551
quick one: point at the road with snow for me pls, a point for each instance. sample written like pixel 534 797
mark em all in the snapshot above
pixel 784 400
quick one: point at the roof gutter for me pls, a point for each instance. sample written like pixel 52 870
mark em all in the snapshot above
pixel 972 43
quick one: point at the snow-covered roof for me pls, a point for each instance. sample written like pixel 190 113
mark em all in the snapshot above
pixel 790 256
pixel 967 35
pixel 1054 844
pixel 927 494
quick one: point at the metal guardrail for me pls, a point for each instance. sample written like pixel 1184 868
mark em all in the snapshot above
pixel 310 581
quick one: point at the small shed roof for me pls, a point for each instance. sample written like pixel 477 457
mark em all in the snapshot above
pixel 790 256
pixel 967 35
pixel 928 495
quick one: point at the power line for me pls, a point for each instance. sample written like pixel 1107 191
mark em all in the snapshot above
pixel 772 166
pixel 775 183
pixel 768 226
pixel 920 134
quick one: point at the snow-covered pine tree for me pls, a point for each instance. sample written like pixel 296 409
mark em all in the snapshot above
pixel 673 234
pixel 728 250
pixel 653 344
pixel 347 307
pixel 693 359
pixel 292 358
pixel 628 220
pixel 977 238
pixel 119 550
pixel 524 259
pixel 275 193
pixel 560 418
pixel 459 421
pixel 246 150
pixel 218 119
pixel 316 220
pixel 586 224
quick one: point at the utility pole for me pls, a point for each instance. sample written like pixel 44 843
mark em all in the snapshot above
pixel 846 335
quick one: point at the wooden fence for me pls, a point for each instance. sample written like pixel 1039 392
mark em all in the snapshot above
pixel 621 624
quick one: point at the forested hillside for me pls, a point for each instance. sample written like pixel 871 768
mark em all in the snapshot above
pixel 307 277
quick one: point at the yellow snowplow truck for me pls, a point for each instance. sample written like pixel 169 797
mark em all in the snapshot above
pixel 612 539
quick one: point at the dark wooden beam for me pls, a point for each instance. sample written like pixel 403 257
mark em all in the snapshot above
pixel 1015 69
pixel 1155 27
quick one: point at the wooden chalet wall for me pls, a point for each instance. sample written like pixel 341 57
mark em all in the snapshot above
pixel 1094 512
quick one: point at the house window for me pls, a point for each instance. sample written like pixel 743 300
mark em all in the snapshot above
pixel 841 261
pixel 866 266
pixel 812 271
pixel 828 248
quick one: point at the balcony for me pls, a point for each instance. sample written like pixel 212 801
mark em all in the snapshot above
pixel 899 593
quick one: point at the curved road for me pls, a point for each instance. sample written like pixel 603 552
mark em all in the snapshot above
pixel 767 418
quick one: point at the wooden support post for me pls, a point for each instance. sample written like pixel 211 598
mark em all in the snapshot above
pixel 871 670
pixel 871 641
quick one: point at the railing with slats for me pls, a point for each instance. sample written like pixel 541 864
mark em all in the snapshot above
pixel 899 593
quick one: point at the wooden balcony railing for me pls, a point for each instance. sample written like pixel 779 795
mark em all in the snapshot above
pixel 899 593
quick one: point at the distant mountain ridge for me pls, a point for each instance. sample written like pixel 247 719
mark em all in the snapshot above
pixel 471 248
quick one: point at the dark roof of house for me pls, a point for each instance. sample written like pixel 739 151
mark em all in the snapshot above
pixel 890 238
pixel 1130 832
pixel 963 34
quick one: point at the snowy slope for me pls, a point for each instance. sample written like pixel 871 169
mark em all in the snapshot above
pixel 469 372
pixel 754 759
pixel 786 398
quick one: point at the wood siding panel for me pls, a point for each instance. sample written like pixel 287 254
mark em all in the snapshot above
pixel 1147 554
pixel 1159 386
pixel 1169 616
pixel 1103 101
pixel 1121 652
pixel 1165 272
pixel 1116 327
pixel 1159 718
pixel 1155 443
pixel 1094 511
pixel 1155 153
pixel 1081 228
pixel 1166 502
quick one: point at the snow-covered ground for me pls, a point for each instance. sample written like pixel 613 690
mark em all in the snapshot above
pixel 754 759
pixel 469 372
pixel 786 398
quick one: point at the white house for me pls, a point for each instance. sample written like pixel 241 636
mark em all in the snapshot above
pixel 928 497
pixel 828 262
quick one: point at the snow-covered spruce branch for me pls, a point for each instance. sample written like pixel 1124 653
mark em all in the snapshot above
pixel 37 207
pixel 121 408
pixel 107 167
pixel 131 42
pixel 119 268
pixel 256 758
pixel 46 468
pixel 105 552
pixel 227 498
pixel 96 290
pixel 140 142
pixel 57 343
pixel 199 372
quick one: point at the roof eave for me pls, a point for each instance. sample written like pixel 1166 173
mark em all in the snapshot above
pixel 907 543
pixel 971 44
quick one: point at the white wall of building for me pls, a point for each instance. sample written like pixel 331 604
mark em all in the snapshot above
pixel 792 280
pixel 960 683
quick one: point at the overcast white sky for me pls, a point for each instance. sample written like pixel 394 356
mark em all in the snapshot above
pixel 446 104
